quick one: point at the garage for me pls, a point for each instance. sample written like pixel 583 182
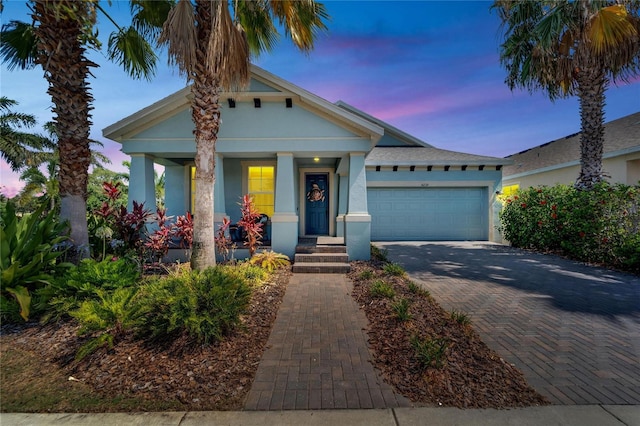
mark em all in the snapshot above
pixel 406 214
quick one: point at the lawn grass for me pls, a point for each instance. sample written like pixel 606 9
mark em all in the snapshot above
pixel 22 391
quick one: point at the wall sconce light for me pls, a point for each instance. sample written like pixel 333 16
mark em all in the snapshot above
pixel 289 102
pixel 256 102
pixel 232 102
pixel 316 159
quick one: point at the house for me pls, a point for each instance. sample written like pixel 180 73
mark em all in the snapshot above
pixel 314 168
pixel 559 161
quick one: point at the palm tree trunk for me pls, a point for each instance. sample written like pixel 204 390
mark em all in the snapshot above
pixel 66 69
pixel 591 89
pixel 206 117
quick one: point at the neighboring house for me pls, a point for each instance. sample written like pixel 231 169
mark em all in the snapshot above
pixel 559 161
pixel 315 168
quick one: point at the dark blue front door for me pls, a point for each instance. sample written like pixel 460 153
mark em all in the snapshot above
pixel 317 204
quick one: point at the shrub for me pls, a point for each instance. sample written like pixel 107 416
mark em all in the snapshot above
pixel 270 260
pixel 111 314
pixel 84 282
pixel 380 288
pixel 430 352
pixel 394 269
pixel 254 275
pixel 205 306
pixel 27 253
pixel 599 225
pixel 401 309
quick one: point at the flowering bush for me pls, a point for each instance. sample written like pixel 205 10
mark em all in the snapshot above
pixel 600 225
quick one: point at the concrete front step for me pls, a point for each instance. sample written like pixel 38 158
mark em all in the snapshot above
pixel 321 257
pixel 321 268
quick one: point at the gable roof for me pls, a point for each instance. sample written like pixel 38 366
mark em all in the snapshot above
pixel 278 88
pixel 621 136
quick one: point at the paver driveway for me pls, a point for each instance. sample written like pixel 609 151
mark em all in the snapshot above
pixel 573 329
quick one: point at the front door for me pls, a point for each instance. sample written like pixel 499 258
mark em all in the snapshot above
pixel 317 204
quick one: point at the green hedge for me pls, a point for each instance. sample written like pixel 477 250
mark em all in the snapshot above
pixel 599 226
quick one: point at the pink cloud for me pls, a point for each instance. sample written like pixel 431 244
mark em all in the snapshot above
pixel 10 183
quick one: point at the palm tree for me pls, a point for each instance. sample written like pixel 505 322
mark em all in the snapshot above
pixel 58 39
pixel 39 185
pixel 18 148
pixel 212 49
pixel 569 48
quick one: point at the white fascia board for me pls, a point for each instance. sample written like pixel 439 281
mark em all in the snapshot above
pixel 316 102
pixel 142 119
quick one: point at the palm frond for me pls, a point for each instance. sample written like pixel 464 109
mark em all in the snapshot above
pixel 303 20
pixel 148 16
pixel 180 35
pixel 129 48
pixel 611 28
pixel 18 45
pixel 255 19
pixel 228 49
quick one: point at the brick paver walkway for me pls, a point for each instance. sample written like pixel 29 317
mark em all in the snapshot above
pixel 573 330
pixel 317 355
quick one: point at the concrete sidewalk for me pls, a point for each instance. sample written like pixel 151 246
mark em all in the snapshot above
pixel 585 415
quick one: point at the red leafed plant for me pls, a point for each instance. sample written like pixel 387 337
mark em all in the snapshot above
pixel 250 222
pixel 183 230
pixel 158 241
pixel 222 242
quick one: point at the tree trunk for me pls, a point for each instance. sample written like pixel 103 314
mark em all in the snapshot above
pixel 66 69
pixel 206 117
pixel 591 89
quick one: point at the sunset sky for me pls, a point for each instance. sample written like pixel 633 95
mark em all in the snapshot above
pixel 430 68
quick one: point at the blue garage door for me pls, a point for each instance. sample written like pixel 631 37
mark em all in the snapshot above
pixel 428 214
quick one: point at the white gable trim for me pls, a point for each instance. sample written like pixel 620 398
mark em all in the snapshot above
pixel 181 100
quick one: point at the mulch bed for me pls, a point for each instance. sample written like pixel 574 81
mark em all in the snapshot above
pixel 216 377
pixel 472 375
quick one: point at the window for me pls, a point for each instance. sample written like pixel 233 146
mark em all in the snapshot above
pixel 509 190
pixel 261 185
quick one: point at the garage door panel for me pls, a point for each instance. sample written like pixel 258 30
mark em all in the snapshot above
pixel 428 213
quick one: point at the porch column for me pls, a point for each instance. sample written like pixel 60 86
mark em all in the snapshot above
pixel 141 184
pixel 176 189
pixel 343 193
pixel 357 221
pixel 284 223
pixel 219 209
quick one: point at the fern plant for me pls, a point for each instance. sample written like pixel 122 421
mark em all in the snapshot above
pixel 111 315
pixel 83 282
